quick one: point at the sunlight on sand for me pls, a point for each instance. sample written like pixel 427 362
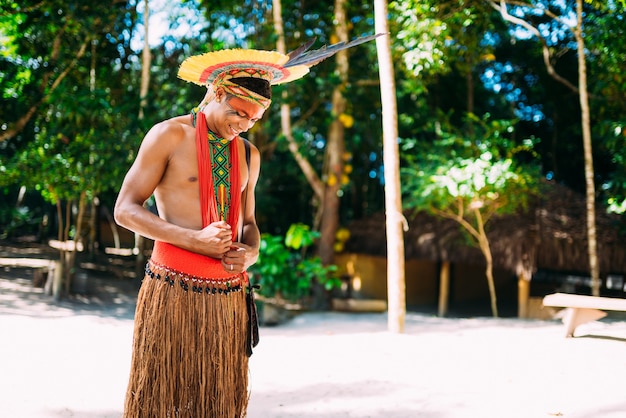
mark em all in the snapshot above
pixel 71 359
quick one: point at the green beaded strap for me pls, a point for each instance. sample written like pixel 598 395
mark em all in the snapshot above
pixel 219 154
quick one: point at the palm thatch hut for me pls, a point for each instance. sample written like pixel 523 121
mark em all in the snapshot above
pixel 548 243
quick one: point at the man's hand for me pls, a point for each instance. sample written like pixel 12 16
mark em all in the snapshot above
pixel 238 258
pixel 214 240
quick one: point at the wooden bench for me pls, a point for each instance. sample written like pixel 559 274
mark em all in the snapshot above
pixel 581 309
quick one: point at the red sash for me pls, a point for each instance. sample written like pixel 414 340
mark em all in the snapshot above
pixel 208 202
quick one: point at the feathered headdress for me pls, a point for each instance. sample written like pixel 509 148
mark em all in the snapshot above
pixel 219 68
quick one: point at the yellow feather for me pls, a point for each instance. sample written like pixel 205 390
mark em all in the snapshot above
pixel 194 67
pixel 295 73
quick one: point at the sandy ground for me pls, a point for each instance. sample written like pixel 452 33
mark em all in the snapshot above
pixel 72 359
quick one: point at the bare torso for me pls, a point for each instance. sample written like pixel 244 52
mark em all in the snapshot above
pixel 166 166
pixel 178 192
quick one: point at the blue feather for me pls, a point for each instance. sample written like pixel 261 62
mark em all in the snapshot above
pixel 301 55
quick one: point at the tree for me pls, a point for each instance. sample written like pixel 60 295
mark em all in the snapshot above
pixel 396 293
pixel 528 10
pixel 326 186
pixel 67 142
pixel 68 168
pixel 605 62
pixel 313 127
pixel 285 111
pixel 335 145
pixel 146 59
pixel 46 31
pixel 470 179
pixel 442 39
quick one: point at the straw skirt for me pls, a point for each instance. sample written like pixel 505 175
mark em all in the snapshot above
pixel 189 358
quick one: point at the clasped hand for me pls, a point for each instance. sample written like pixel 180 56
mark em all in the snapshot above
pixel 217 242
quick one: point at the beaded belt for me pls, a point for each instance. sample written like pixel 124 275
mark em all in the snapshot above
pixel 200 285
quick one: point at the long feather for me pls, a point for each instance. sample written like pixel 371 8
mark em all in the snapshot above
pixel 301 49
pixel 300 56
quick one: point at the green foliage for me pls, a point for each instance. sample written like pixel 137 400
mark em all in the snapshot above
pixel 89 136
pixel 250 24
pixel 74 138
pixel 287 274
pixel 607 5
pixel 615 206
pixel 439 36
pixel 16 221
pixel 299 236
pixel 77 150
pixel 607 84
pixel 459 173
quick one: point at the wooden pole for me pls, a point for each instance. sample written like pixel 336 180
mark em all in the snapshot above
pixel 444 288
pixel 523 296
pixel 396 290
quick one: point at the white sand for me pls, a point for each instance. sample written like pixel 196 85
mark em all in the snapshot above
pixel 72 361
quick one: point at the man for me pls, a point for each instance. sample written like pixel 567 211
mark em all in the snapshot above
pixel 191 324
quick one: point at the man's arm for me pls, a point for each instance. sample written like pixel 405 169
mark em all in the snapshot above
pixel 251 235
pixel 140 182
pixel 246 252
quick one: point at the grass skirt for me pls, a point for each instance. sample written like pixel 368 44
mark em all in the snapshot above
pixel 189 358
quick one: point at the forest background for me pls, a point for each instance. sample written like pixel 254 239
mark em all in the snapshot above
pixel 75 100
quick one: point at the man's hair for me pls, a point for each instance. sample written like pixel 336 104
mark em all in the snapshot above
pixel 257 85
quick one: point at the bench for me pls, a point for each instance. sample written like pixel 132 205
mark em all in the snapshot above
pixel 581 309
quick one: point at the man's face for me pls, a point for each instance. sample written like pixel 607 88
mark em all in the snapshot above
pixel 236 115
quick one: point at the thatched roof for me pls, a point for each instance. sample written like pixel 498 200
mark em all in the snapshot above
pixel 551 235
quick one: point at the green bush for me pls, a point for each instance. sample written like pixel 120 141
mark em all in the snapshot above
pixel 283 269
pixel 18 221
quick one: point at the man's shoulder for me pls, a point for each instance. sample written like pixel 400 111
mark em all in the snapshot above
pixel 175 128
pixel 177 124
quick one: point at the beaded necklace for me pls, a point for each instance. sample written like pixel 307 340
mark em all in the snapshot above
pixel 219 156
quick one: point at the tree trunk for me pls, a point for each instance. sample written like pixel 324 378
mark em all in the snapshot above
pixel 396 286
pixel 335 146
pixel 140 256
pixel 93 213
pixel 589 170
pixel 583 97
pixel 335 149
pixel 65 255
pixel 320 299
pixel 444 288
pixel 285 111
pixel 70 254
pixel 93 228
pixel 485 248
pixel 146 58
pixel 113 226
pixel 58 279
pixel 523 294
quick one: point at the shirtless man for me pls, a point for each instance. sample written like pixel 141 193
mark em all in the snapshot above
pixel 165 166
pixel 192 341
pixel 189 349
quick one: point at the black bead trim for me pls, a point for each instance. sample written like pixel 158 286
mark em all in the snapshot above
pixel 196 284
